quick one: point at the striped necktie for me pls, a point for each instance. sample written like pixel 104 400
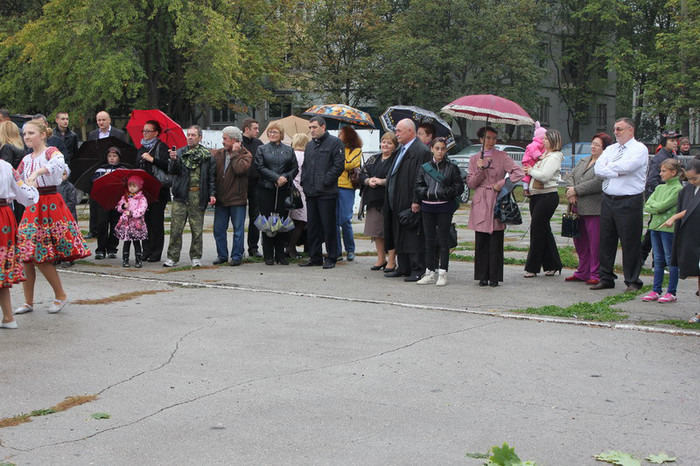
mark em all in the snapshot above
pixel 614 158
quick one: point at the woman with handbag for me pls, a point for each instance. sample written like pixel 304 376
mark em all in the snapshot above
pixel 153 156
pixel 277 167
pixel 486 177
pixel 584 194
pixel 346 190
pixel 438 184
pixel 373 178
pixel 544 199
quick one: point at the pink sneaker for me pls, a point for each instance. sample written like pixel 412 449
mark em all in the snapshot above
pixel 668 298
pixel 652 296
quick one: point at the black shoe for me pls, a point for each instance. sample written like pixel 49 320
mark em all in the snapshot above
pixel 125 261
pixel 632 288
pixel 90 236
pixel 310 264
pixel 493 284
pixel 483 282
pixel 153 259
pixel 388 270
pixel 112 255
pixel 99 255
pixel 394 274
pixel 234 263
pixel 412 278
pixel 219 260
pixel 254 253
pixel 269 262
pixel 602 286
pixel 138 264
pixel 328 264
pixel 284 261
pixel 378 267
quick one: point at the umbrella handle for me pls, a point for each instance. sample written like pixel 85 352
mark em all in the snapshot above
pixel 277 190
pixel 482 144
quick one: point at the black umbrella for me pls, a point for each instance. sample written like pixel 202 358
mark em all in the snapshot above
pixel 92 154
pixel 394 114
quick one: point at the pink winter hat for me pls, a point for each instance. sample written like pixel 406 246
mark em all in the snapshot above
pixel 539 130
pixel 136 180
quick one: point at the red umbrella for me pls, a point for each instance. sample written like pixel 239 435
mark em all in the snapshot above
pixel 490 108
pixel 108 189
pixel 171 134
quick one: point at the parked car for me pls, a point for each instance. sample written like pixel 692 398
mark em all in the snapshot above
pixel 574 154
pixel 461 159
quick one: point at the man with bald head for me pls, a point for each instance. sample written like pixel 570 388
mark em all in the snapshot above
pixel 105 129
pixel 401 197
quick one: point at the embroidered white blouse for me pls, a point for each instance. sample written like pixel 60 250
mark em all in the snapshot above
pixel 12 186
pixel 52 159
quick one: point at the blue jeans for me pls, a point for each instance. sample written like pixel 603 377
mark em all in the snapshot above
pixel 222 215
pixel 346 200
pixel 661 242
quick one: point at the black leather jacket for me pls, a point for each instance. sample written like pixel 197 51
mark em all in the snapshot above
pixel 275 160
pixel 70 141
pixel 181 179
pixel 429 189
pixel 324 161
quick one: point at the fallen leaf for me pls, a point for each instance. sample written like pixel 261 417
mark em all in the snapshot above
pixel 660 458
pixel 100 416
pixel 618 457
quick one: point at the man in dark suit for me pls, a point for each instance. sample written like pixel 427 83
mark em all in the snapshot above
pixel 105 129
pixel 400 196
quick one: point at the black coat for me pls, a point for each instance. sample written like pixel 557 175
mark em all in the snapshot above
pixel 375 167
pixel 654 170
pixel 252 144
pixel 275 160
pixel 429 189
pixel 116 132
pixel 400 194
pixel 181 179
pixel 70 143
pixel 324 161
pixel 686 238
pixel 12 154
pixel 161 159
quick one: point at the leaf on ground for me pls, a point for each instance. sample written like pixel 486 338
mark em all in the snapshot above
pixel 618 457
pixel 100 416
pixel 660 458
pixel 477 455
pixel 504 456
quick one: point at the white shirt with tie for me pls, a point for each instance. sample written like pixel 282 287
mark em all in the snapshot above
pixel 624 167
pixel 402 152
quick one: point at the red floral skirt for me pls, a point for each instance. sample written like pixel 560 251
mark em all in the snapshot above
pixel 11 268
pixel 48 232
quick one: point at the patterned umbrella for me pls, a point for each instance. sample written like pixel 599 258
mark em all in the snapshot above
pixel 394 114
pixel 342 113
pixel 491 108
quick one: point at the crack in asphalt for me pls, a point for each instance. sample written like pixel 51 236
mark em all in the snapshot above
pixel 246 382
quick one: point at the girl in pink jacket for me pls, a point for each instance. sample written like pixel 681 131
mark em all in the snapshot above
pixel 533 152
pixel 131 225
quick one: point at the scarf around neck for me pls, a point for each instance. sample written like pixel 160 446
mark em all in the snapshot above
pixel 194 156
pixel 149 143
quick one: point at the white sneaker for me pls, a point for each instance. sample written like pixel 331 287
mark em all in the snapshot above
pixel 169 263
pixel 429 278
pixel 441 278
pixel 11 325
pixel 23 309
pixel 57 305
pixel 196 263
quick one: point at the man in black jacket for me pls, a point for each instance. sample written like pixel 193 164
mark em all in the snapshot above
pixel 251 129
pixel 105 128
pixel 69 138
pixel 400 197
pixel 194 187
pixel 324 161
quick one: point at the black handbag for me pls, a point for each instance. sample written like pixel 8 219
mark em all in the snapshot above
pixel 506 210
pixel 453 236
pixel 570 227
pixel 293 200
pixel 409 219
pixel 165 179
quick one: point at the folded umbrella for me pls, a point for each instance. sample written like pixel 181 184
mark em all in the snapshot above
pixel 108 189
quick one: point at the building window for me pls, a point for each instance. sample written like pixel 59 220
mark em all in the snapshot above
pixel 223 115
pixel 279 108
pixel 544 111
pixel 602 116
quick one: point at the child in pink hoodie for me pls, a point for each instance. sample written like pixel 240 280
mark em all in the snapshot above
pixel 533 152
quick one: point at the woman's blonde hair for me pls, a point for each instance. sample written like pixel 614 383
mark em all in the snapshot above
pixel 673 164
pixel 278 127
pixel 299 141
pixel 554 138
pixel 9 134
pixel 391 137
pixel 41 126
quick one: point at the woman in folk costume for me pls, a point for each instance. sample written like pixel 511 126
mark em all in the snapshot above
pixel 47 232
pixel 11 269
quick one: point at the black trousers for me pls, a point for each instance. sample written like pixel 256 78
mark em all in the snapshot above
pixel 107 220
pixel 94 206
pixel 436 227
pixel 488 256
pixel 154 218
pixel 127 247
pixel 621 218
pixel 321 227
pixel 253 212
pixel 273 247
pixel 543 253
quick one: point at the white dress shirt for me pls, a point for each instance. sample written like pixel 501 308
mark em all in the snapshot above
pixel 102 135
pixel 624 167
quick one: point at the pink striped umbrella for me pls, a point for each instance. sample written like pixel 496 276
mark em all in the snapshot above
pixel 490 108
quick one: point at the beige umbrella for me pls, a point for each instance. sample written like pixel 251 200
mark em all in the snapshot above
pixel 292 125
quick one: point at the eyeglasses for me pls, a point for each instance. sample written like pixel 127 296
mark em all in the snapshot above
pixel 619 129
pixel 146 131
pixel 273 132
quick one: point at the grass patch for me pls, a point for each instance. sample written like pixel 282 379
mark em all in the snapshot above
pixel 119 297
pixel 69 402
pixel 678 323
pixel 601 311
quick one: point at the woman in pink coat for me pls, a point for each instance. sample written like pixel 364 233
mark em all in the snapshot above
pixel 486 178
